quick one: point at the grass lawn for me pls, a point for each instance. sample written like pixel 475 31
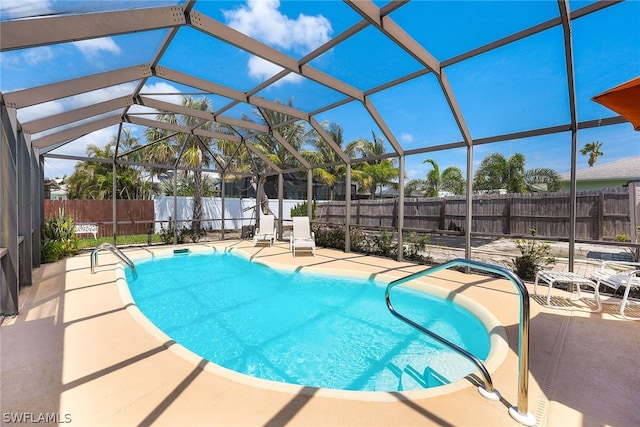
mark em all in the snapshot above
pixel 136 239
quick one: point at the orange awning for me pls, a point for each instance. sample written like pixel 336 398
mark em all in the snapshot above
pixel 624 100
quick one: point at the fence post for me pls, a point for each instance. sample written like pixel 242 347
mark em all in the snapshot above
pixel 601 216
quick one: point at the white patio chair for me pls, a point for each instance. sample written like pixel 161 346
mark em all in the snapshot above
pixel 267 230
pixel 617 274
pixel 302 238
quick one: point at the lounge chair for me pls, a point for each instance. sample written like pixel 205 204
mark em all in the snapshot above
pixel 267 230
pixel 302 238
pixel 618 274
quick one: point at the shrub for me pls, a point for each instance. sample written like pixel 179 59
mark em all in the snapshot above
pixel 633 251
pixel 415 247
pixel 167 234
pixel 535 255
pixel 301 209
pixel 330 237
pixel 58 238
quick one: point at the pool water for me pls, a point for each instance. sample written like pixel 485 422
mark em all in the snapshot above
pixel 299 328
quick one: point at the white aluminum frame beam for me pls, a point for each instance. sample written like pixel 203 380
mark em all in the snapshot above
pixel 27 33
pixel 67 135
pixel 220 31
pixel 76 115
pixel 51 92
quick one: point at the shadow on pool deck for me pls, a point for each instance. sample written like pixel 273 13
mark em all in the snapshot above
pixel 76 350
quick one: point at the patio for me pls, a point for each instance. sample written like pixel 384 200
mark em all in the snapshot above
pixel 77 350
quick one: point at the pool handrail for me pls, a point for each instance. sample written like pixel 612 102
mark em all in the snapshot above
pixel 113 249
pixel 520 412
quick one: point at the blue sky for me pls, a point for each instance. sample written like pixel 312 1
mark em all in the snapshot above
pixel 519 87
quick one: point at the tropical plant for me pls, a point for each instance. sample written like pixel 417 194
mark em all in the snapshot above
pixel 188 150
pixel 323 153
pixel 592 149
pixel 301 209
pixel 534 256
pixel 374 173
pixel 498 172
pixel 94 179
pixel 292 130
pixel 58 238
pixel 544 179
pixel 451 180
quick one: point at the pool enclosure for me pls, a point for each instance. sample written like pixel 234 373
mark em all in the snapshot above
pixel 224 80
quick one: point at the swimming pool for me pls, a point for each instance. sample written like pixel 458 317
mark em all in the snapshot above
pixel 299 328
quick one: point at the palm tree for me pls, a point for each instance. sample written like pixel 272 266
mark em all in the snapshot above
pixel 375 173
pixel 546 177
pixel 451 180
pixel 293 131
pixel 94 180
pixel 593 150
pixel 323 153
pixel 497 172
pixel 187 150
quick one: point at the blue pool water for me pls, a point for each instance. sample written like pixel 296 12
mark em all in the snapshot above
pixel 301 328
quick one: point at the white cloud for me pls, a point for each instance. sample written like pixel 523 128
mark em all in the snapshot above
pixel 262 70
pixel 406 137
pixel 93 47
pixel 262 20
pixel 11 9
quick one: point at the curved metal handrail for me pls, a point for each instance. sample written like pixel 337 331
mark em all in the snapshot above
pixel 519 412
pixel 117 252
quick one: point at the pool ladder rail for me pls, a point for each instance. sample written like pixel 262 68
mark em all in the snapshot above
pixel 520 412
pixel 117 252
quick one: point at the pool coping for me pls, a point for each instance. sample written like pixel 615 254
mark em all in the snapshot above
pixel 499 346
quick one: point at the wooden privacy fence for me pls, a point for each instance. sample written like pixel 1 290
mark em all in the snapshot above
pixel 133 216
pixel 600 215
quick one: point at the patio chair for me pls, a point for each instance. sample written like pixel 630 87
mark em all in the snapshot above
pixel 616 275
pixel 267 230
pixel 302 238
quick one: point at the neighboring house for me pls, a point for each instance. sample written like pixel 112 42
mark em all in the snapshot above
pixel 614 174
pixel 55 189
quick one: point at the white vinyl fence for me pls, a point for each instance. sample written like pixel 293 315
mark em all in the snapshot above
pixel 237 212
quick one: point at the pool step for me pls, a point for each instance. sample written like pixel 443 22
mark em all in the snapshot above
pixel 434 371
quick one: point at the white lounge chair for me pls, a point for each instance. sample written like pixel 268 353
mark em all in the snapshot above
pixel 266 232
pixel 302 238
pixel 617 274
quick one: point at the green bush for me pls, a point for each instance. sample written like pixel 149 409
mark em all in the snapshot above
pixel 167 234
pixel 535 255
pixel 301 209
pixel 58 238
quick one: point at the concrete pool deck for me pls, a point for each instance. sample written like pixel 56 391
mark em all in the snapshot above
pixel 77 351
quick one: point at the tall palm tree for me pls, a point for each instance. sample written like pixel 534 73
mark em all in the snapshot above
pixel 451 180
pixel 593 150
pixel 294 131
pixel 187 150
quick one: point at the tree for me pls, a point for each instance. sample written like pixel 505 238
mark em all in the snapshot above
pixel 497 172
pixel 593 150
pixel 323 153
pixel 451 180
pixel 94 179
pixel 375 173
pixel 293 131
pixel 185 149
pixel 542 179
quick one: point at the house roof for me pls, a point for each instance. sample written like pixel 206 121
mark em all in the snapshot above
pixel 628 169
